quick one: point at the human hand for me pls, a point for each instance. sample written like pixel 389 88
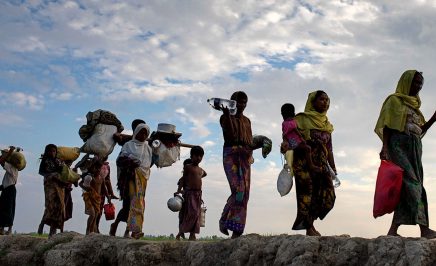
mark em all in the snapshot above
pixel 284 147
pixel 225 110
pixel 384 153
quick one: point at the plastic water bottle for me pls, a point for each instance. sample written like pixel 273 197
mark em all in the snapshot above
pixel 335 179
pixel 216 103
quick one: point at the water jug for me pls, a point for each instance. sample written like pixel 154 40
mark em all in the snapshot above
pixel 216 103
pixel 175 203
pixel 335 179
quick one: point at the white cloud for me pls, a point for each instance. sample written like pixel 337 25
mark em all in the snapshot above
pixel 21 99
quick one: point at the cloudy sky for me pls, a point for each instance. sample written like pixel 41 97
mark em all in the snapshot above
pixel 161 60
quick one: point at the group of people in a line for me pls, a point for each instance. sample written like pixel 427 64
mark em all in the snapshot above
pixel 308 134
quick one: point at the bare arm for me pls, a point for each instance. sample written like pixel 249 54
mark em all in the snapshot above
pixel 226 122
pixel 3 158
pixel 387 133
pixel 330 157
pixel 429 123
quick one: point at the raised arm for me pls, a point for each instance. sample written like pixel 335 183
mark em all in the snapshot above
pixel 429 123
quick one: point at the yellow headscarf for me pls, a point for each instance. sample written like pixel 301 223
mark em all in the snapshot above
pixel 393 113
pixel 311 119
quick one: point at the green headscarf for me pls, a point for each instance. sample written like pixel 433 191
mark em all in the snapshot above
pixel 393 113
pixel 311 119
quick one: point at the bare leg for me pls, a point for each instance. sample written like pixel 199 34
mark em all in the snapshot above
pixel 126 233
pixel 52 231
pixel 312 232
pixel 90 223
pixel 9 231
pixel 427 232
pixel 113 228
pixel 393 229
pixel 41 227
pixel 2 231
pixel 97 222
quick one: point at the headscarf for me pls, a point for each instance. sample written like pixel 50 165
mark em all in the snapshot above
pixel 311 119
pixel 136 149
pixel 394 111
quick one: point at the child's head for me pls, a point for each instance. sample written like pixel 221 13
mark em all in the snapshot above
pixel 288 111
pixel 197 154
pixel 241 99
pixel 136 122
pixel 187 161
pixel 50 151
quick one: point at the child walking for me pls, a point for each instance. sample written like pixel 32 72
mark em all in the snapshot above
pixel 8 194
pixel 180 190
pixel 292 138
pixel 93 185
pixel 191 183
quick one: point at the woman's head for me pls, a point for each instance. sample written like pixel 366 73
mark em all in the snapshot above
pixel 410 83
pixel 417 82
pixel 141 133
pixel 241 99
pixel 321 101
pixel 288 111
pixel 50 151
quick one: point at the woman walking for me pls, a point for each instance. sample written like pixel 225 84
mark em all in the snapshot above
pixel 401 126
pixel 237 159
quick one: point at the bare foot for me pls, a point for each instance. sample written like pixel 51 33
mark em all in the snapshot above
pixel 40 228
pixel 311 232
pixel 113 229
pixel 223 229
pixel 428 233
pixel 192 237
pixel 236 235
pixel 180 235
pixel 137 235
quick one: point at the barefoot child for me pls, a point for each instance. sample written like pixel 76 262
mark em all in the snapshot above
pixel 180 189
pixel 93 186
pixel 292 138
pixel 8 194
pixel 191 184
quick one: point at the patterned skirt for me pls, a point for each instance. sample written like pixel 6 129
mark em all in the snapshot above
pixel 315 193
pixel 237 168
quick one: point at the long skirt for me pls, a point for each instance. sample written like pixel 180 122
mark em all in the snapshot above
pixel 137 189
pixel 315 192
pixel 406 151
pixel 190 212
pixel 7 206
pixel 54 213
pixel 237 168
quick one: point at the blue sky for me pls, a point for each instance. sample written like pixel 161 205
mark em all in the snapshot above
pixel 161 60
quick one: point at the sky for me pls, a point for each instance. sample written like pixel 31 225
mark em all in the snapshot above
pixel 161 60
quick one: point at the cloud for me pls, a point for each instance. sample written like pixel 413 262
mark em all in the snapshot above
pixel 9 119
pixel 21 99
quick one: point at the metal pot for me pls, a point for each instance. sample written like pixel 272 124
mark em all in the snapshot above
pixel 175 203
